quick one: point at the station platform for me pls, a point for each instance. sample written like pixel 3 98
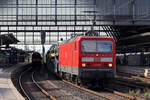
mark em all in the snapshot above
pixel 143 71
pixel 7 89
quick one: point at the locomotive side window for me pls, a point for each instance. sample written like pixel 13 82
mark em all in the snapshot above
pixel 96 46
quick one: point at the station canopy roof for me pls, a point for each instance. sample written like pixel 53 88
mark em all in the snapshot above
pixel 6 39
pixel 133 38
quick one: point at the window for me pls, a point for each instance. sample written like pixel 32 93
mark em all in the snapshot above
pixel 96 46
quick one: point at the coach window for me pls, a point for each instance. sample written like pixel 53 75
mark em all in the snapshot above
pixel 75 48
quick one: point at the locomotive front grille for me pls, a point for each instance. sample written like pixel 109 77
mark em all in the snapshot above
pixel 96 73
pixel 97 69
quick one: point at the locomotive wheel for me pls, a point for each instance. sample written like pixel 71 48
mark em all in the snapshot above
pixel 70 78
pixel 63 75
pixel 73 78
pixel 78 81
pixel 60 74
pixel 101 84
pixel 94 82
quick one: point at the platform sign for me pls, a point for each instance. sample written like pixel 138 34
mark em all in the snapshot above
pixel 43 35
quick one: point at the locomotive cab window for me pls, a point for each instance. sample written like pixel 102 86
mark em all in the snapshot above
pixel 52 51
pixel 96 46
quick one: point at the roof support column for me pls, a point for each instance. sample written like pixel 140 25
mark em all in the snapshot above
pixel 0 38
pixel 94 12
pixel 0 31
pixel 49 36
pixel 36 12
pixel 8 29
pixel 75 13
pixel 99 30
pixel 55 12
pixel 114 17
pixel 25 36
pixel 16 32
pixel 17 12
pixel 33 35
pixel 58 34
pixel 133 11
pixel 66 33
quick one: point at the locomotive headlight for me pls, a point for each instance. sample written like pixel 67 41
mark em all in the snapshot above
pixel 87 59
pixel 83 64
pixel 52 55
pixel 110 65
pixel 106 59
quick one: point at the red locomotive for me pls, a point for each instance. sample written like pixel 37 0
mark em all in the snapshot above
pixel 86 58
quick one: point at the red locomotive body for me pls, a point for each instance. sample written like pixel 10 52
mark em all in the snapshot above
pixel 88 57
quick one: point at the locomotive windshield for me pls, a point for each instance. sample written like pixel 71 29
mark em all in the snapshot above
pixel 96 46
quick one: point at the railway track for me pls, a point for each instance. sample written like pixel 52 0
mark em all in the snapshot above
pixel 134 81
pixel 21 84
pixel 129 84
pixel 116 95
pixel 54 90
pixel 130 97
pixel 147 79
pixel 136 85
pixel 29 86
pixel 41 89
pixel 134 76
pixel 101 95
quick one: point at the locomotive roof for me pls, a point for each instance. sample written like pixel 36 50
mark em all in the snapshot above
pixel 74 38
pixel 69 40
pixel 93 37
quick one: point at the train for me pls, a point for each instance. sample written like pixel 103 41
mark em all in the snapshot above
pixel 36 61
pixel 83 59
